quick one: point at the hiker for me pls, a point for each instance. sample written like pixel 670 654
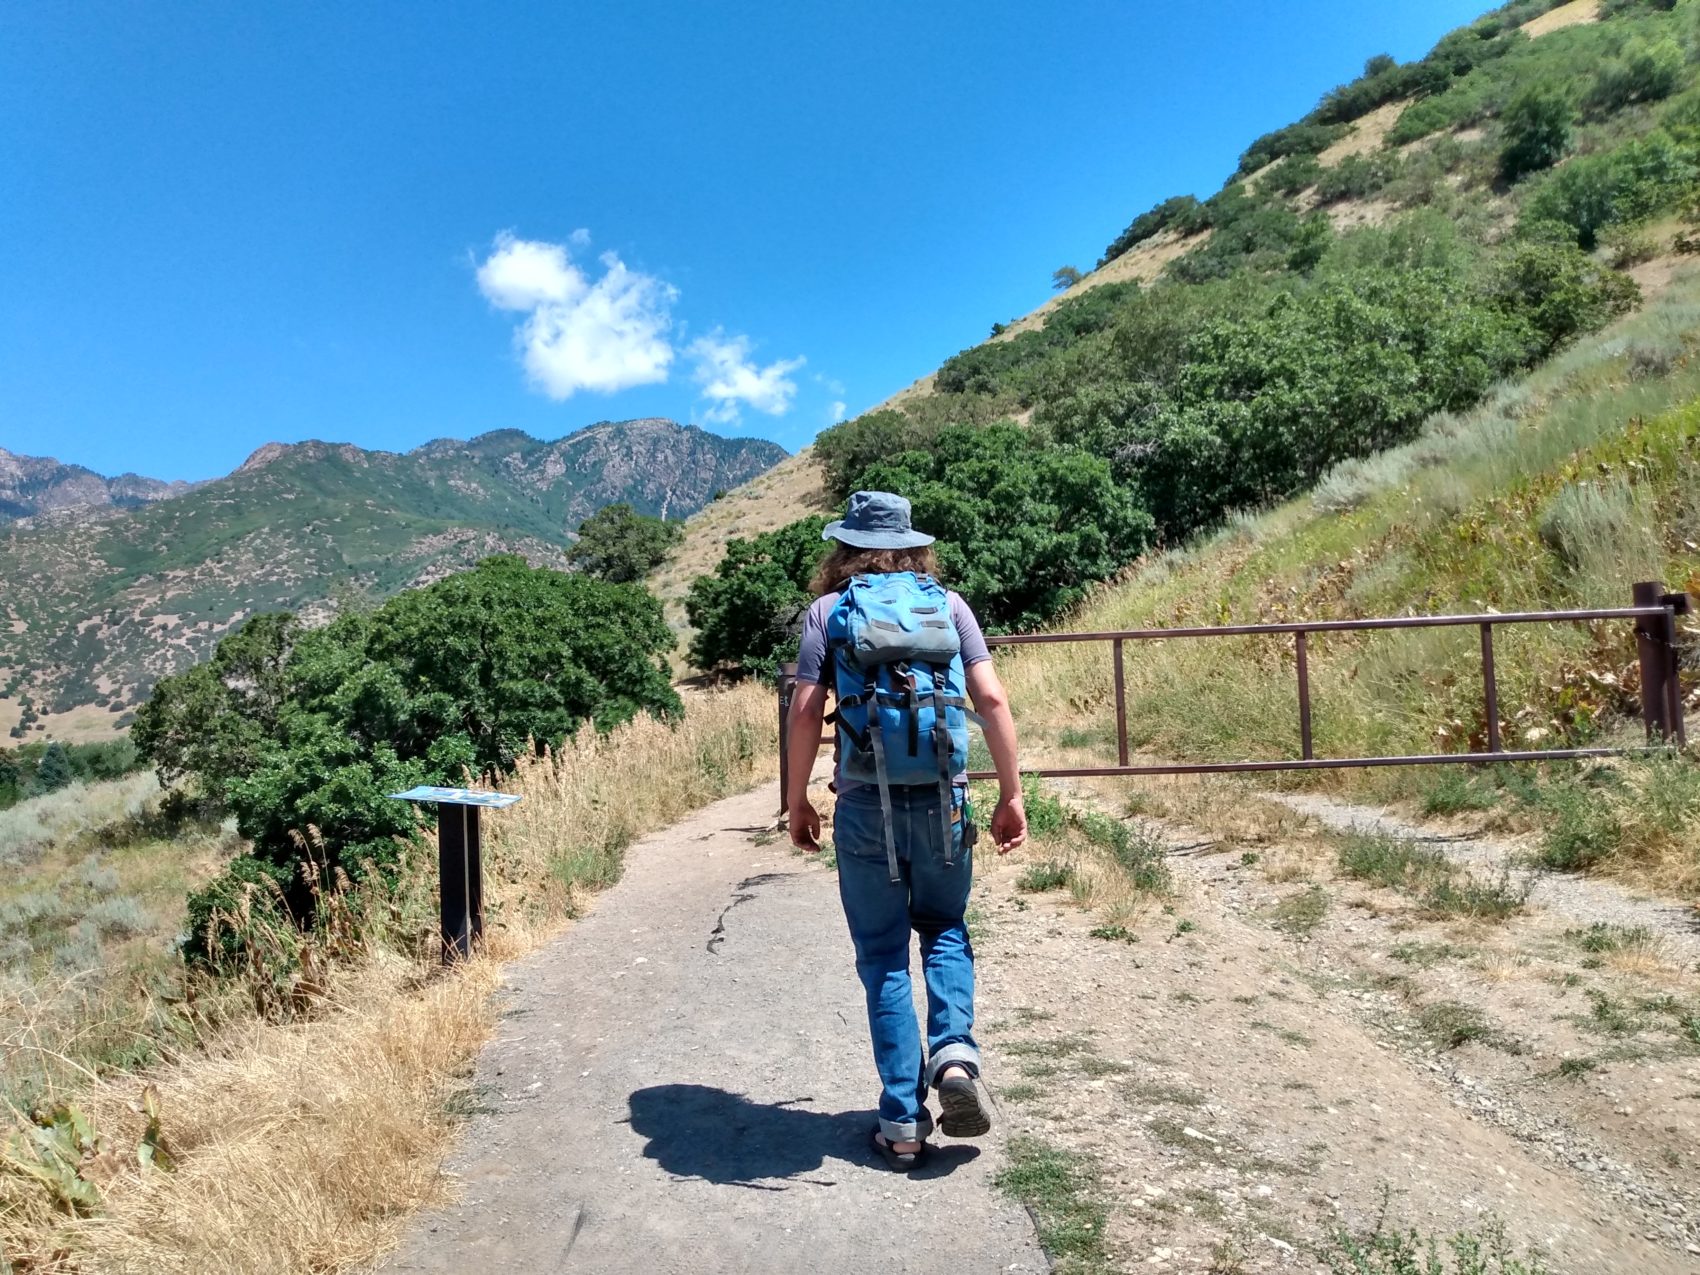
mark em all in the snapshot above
pixel 905 659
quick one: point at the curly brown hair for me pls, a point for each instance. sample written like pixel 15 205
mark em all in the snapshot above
pixel 843 561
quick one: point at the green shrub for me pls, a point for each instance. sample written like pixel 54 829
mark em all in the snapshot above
pixel 748 613
pixel 1585 830
pixel 1602 533
pixel 1632 182
pixel 1303 138
pixel 1046 815
pixel 1263 406
pixel 1455 791
pixel 1042 877
pixel 1560 291
pixel 848 448
pixel 458 677
pixel 1536 127
pixel 1293 174
pixel 1183 214
pixel 1645 72
pixel 1357 177
pixel 1014 367
pixel 1392 862
pixel 54 770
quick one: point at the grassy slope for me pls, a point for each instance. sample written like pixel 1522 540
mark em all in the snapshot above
pixel 1557 492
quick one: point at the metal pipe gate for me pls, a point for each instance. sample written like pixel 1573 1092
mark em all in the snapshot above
pixel 1653 609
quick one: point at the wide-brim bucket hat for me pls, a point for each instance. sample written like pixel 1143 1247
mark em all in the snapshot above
pixel 876 520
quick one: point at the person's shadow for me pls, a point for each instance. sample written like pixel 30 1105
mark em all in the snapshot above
pixel 697 1131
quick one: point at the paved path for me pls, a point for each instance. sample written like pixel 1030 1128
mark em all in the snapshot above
pixel 682 1084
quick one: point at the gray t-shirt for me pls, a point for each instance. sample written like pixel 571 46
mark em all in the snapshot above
pixel 812 657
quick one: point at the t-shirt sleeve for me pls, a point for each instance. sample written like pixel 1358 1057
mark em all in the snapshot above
pixel 811 657
pixel 974 648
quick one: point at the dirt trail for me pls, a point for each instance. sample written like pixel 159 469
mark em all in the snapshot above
pixel 1277 1046
pixel 1583 899
pixel 682 1083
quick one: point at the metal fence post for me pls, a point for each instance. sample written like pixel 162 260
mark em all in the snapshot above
pixel 1301 648
pixel 787 684
pixel 1490 690
pixel 1675 604
pixel 1655 648
pixel 1121 706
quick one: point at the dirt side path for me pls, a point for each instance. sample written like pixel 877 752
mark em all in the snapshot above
pixel 682 1083
pixel 1250 1067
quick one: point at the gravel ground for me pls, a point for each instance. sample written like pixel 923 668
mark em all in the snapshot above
pixel 1247 1084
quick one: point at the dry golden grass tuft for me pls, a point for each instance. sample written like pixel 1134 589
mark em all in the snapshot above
pixel 1501 966
pixel 307 1145
pixel 1647 956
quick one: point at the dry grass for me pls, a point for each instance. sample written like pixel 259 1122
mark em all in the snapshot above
pixel 1566 15
pixel 305 1146
pixel 1504 967
pixel 1367 133
pixel 1648 956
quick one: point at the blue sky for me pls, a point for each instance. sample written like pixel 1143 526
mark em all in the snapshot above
pixel 224 225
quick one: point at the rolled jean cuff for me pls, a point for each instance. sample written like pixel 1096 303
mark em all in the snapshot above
pixel 909 1131
pixel 966 1055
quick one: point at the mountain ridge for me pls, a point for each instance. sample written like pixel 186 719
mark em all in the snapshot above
pixel 35 485
pixel 109 601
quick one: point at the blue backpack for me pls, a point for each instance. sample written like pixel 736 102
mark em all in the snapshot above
pixel 902 712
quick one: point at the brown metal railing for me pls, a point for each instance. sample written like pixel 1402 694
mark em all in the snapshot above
pixel 1653 610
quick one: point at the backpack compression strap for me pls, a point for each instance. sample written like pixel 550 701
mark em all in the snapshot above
pixel 941 746
pixel 882 778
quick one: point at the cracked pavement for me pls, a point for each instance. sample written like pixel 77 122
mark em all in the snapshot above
pixel 653 1107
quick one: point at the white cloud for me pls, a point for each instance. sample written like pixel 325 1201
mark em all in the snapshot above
pixel 522 274
pixel 732 380
pixel 837 409
pixel 606 335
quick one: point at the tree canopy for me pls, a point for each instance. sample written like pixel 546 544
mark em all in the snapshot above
pixel 622 546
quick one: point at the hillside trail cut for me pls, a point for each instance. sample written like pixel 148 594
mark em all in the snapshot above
pixel 683 1083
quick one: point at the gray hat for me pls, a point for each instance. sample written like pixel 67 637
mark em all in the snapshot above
pixel 876 520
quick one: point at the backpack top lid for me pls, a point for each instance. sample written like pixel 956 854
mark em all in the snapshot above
pixel 897 617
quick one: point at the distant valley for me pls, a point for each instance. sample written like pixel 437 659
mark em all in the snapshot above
pixel 111 584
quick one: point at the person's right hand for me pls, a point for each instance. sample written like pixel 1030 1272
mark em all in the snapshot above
pixel 1009 824
pixel 805 826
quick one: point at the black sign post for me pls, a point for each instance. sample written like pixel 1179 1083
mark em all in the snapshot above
pixel 460 861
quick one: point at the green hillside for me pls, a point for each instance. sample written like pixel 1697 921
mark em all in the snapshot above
pixel 1430 348
pixel 106 605
pixel 1430 233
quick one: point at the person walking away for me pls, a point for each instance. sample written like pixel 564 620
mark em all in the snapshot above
pixel 898 652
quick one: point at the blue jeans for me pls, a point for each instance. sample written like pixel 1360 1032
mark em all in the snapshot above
pixel 931 900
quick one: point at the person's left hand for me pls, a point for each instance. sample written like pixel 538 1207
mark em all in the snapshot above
pixel 805 825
